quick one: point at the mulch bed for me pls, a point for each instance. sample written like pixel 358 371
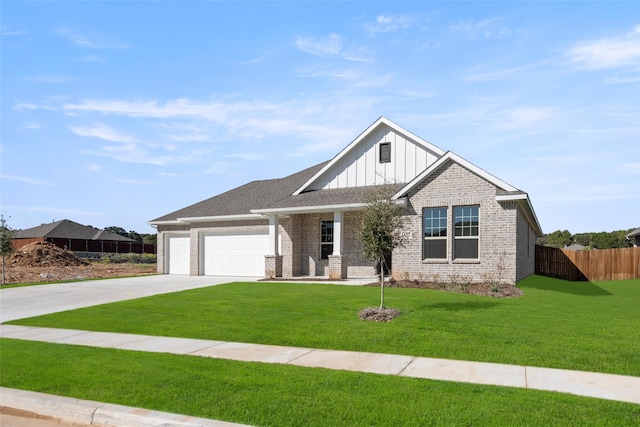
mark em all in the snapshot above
pixel 379 314
pixel 495 290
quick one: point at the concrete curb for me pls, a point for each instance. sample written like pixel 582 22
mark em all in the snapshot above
pixel 70 410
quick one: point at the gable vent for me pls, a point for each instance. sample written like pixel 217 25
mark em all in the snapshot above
pixel 385 152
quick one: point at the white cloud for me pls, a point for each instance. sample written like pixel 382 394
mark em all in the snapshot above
pixel 133 181
pixel 528 115
pixel 92 58
pixel 504 74
pixel 330 45
pixel 102 131
pixel 6 31
pixel 609 52
pixel 31 126
pixel 95 41
pixel 244 156
pixel 28 180
pixel 622 80
pixel 48 79
pixel 486 28
pixel 388 24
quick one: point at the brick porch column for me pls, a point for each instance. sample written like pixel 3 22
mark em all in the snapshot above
pixel 337 267
pixel 272 266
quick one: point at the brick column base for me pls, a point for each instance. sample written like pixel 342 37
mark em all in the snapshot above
pixel 272 266
pixel 337 267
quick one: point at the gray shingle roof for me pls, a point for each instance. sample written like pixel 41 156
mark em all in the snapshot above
pixel 66 229
pixel 338 196
pixel 270 194
pixel 241 200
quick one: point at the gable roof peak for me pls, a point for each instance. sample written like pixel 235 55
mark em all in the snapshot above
pixel 437 151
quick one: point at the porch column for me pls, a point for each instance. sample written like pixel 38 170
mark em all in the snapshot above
pixel 273 259
pixel 337 233
pixel 273 236
pixel 337 261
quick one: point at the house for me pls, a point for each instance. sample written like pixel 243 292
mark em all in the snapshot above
pixel 576 247
pixel 461 221
pixel 633 237
pixel 73 236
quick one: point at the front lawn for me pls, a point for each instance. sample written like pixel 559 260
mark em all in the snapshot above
pixel 570 325
pixel 279 395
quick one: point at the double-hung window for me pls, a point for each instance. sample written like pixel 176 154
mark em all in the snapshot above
pixel 434 227
pixel 466 232
pixel 326 239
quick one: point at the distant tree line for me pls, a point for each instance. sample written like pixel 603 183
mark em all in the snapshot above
pixel 149 239
pixel 598 240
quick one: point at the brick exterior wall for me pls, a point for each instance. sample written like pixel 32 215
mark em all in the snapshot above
pixel 526 249
pixel 453 185
pixel 301 246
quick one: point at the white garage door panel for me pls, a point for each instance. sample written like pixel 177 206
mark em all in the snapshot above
pixel 178 262
pixel 235 255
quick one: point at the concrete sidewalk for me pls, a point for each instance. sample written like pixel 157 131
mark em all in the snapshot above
pixel 590 384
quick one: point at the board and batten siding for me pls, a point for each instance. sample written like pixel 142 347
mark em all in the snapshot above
pixel 361 166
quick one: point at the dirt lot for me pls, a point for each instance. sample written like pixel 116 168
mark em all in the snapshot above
pixel 44 262
pixel 16 274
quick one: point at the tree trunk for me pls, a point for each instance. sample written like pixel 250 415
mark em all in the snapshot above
pixel 381 282
pixel 3 281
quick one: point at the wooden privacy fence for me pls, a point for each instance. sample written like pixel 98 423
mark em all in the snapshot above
pixel 592 265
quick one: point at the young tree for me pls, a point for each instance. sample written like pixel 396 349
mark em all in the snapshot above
pixel 6 248
pixel 381 229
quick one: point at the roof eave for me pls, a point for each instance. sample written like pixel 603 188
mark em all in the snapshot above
pixel 465 163
pixel 318 209
pixel 525 203
pixel 216 218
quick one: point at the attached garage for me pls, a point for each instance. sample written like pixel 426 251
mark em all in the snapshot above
pixel 177 249
pixel 237 254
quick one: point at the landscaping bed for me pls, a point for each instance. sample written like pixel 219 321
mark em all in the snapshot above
pixel 496 290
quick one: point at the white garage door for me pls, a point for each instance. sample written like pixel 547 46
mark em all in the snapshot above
pixel 235 254
pixel 178 252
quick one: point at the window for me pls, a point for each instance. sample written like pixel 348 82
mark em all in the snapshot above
pixel 434 222
pixel 326 239
pixel 385 152
pixel 466 231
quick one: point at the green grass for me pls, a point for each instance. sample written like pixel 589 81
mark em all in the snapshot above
pixel 570 325
pixel 278 395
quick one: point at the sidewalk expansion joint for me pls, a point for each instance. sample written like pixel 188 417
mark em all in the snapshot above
pixel 406 366
pixel 309 351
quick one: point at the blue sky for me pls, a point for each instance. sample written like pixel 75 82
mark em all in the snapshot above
pixel 115 113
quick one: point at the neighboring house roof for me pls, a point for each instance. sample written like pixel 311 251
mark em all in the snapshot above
pixel 633 233
pixel 575 247
pixel 66 229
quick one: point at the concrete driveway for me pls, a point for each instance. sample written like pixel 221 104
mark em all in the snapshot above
pixel 29 301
